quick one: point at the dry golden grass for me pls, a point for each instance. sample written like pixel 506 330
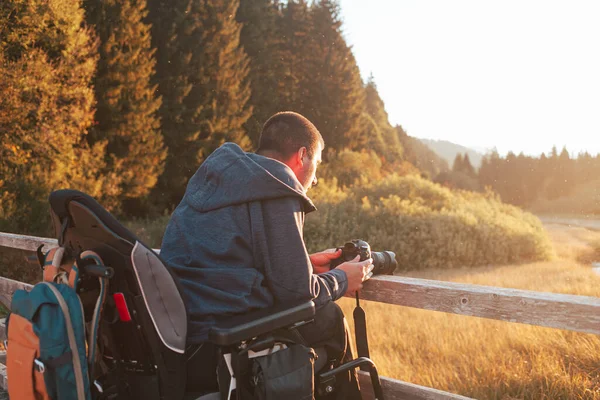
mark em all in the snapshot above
pixel 488 359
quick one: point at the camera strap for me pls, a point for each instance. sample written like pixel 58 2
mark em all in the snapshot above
pixel 360 330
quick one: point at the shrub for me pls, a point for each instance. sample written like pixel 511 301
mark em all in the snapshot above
pixel 349 167
pixel 428 226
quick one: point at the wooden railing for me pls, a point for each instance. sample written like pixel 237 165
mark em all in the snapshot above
pixel 575 313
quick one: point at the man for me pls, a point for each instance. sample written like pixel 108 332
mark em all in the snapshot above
pixel 236 241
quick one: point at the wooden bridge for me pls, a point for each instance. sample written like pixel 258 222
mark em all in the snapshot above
pixel 574 313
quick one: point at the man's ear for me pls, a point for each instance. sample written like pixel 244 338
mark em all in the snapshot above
pixel 300 155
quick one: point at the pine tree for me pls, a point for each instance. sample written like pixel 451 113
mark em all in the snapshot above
pixel 457 165
pixel 226 85
pixel 127 102
pixel 483 170
pixel 538 177
pixel 335 99
pixel 370 136
pixel 295 27
pixel 509 189
pixel 176 28
pixel 418 154
pixel 375 108
pixel 47 61
pixel 489 171
pixel 301 62
pixel 584 169
pixel 261 42
pixel 467 167
pixel 202 72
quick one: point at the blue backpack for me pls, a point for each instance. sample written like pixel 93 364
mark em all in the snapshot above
pixel 48 355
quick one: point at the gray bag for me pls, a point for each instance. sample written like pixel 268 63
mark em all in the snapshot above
pixel 285 374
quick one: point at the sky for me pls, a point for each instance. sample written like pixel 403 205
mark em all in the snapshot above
pixel 518 75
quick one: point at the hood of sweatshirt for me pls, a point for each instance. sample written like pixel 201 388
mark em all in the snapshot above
pixel 230 176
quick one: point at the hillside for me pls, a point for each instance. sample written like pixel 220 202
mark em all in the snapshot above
pixel 420 155
pixel 448 151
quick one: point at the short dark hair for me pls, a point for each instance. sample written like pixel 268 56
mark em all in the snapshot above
pixel 285 132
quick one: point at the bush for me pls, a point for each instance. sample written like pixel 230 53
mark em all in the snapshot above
pixel 349 167
pixel 458 180
pixel 427 225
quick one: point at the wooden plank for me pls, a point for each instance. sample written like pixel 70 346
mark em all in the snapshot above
pixel 31 243
pixel 398 390
pixel 8 287
pixel 575 313
pixel 24 242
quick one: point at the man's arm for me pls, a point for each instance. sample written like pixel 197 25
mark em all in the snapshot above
pixel 287 265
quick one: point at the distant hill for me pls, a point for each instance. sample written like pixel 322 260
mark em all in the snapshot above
pixel 420 155
pixel 448 151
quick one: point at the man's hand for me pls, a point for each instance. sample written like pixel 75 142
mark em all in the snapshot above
pixel 320 261
pixel 356 272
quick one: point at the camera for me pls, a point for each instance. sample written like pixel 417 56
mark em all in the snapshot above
pixel 384 262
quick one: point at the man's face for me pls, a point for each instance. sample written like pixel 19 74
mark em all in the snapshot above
pixel 307 173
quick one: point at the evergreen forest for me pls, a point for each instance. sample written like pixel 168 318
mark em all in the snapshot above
pixel 556 183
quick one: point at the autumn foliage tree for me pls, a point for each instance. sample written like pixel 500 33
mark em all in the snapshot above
pixel 47 63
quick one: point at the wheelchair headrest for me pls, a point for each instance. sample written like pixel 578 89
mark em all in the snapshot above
pixel 60 201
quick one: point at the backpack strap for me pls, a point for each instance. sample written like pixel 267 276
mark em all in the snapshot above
pixel 59 269
pixel 52 262
pixel 79 378
pixel 91 257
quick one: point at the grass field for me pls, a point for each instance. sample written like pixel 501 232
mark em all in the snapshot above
pixel 488 359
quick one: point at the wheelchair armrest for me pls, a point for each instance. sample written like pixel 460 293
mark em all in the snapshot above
pixel 255 323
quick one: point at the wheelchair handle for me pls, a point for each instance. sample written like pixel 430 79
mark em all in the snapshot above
pixel 99 271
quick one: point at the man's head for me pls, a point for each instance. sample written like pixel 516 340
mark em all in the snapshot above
pixel 294 140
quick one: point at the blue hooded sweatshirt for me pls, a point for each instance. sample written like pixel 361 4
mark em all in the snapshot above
pixel 236 241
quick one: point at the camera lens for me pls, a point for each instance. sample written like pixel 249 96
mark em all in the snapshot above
pixel 384 262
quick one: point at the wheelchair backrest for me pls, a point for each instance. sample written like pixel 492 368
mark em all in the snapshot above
pixel 144 325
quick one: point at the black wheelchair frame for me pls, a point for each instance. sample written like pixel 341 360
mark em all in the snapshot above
pixel 142 356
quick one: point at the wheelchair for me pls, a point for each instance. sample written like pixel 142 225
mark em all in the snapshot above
pixel 142 334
